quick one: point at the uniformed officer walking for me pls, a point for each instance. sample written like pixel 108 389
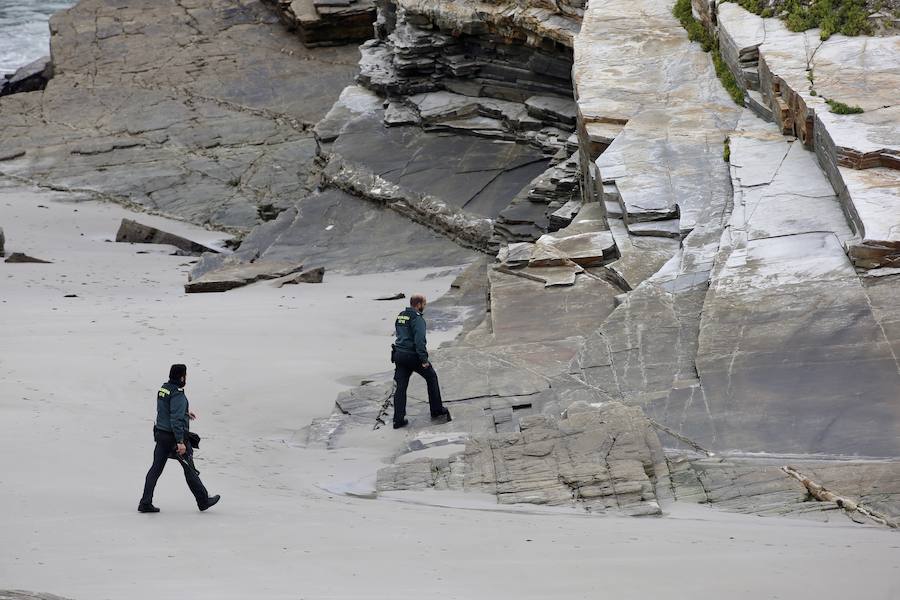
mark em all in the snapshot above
pixel 171 434
pixel 411 356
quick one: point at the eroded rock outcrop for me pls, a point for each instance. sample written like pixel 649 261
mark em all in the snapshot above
pixel 699 299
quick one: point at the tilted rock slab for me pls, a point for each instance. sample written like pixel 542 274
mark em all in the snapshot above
pixel 598 458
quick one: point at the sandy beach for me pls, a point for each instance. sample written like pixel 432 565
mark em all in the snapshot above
pixel 77 383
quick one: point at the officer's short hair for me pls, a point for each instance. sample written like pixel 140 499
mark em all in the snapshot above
pixel 416 299
pixel 176 372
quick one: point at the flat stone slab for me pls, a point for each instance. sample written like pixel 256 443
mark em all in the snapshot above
pixel 639 257
pixel 340 232
pixel 523 310
pixel 586 241
pixel 875 197
pixel 234 276
pixel 137 233
pixel 471 173
pixel 554 107
pixel 779 188
pixel 585 249
pixel 778 366
pixel 670 228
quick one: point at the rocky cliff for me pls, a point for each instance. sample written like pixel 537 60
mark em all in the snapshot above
pixel 667 296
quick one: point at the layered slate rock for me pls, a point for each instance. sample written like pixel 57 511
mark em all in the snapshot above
pixel 199 111
pixel 594 458
pixel 586 241
pixel 797 74
pixel 327 22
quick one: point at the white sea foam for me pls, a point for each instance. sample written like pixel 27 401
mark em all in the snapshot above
pixel 24 30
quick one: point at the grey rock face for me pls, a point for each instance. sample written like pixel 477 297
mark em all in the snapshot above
pixel 137 233
pixel 207 119
pixel 342 232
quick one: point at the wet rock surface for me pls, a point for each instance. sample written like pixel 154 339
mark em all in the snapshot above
pixel 200 111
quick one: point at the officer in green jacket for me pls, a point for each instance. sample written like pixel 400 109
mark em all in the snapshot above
pixel 410 355
pixel 171 435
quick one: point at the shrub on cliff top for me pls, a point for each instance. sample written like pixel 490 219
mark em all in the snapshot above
pixel 839 108
pixel 698 33
pixel 849 17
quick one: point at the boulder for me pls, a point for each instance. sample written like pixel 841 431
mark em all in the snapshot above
pixel 138 233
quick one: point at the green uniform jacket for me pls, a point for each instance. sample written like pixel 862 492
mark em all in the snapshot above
pixel 410 330
pixel 172 410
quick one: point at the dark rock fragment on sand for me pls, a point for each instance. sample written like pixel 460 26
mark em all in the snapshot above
pixel 138 233
pixel 309 276
pixel 19 257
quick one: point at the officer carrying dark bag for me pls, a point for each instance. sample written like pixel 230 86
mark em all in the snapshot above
pixel 173 438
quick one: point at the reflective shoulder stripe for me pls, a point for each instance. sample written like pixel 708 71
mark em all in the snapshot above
pixel 164 392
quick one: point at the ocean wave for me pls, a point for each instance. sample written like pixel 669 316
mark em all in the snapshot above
pixel 24 31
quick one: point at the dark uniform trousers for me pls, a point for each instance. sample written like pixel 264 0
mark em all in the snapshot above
pixel 405 364
pixel 165 447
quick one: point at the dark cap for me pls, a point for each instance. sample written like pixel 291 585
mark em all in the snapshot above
pixel 176 372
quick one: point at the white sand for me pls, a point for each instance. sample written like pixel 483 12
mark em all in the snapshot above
pixel 77 384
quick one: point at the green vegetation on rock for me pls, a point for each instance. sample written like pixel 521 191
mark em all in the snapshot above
pixel 698 33
pixel 839 108
pixel 849 17
pixel 726 153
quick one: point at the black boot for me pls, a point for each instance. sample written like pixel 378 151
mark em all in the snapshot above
pixel 443 416
pixel 211 502
pixel 399 424
pixel 147 508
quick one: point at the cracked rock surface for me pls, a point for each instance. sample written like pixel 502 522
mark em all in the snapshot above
pixel 195 108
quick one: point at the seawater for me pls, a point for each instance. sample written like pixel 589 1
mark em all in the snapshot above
pixel 25 30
